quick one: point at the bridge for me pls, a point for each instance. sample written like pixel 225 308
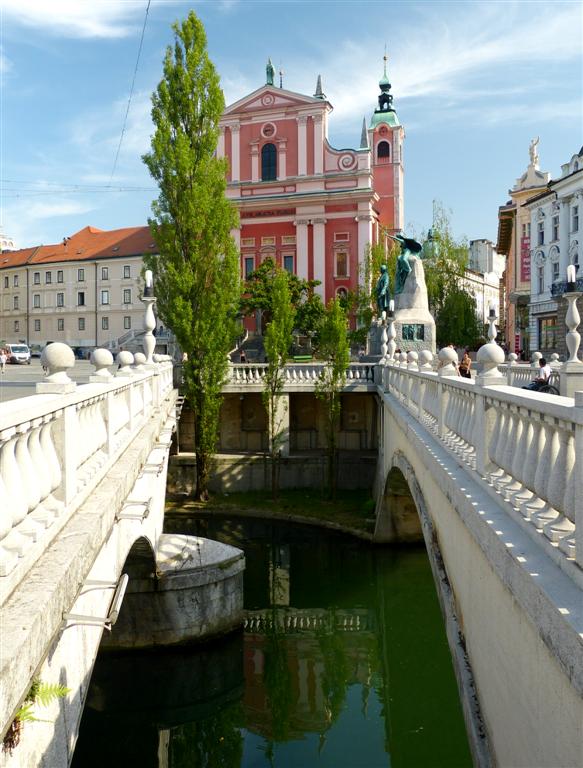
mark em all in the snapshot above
pixel 487 474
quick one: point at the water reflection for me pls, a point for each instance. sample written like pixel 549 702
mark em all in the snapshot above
pixel 342 662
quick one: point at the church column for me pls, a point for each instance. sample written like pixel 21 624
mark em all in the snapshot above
pixel 318 144
pixel 364 237
pixel 302 145
pixel 281 159
pixel 302 248
pixel 320 255
pixel 235 156
pixel 254 161
pixel 221 143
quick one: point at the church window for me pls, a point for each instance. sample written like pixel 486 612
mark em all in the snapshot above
pixel 541 233
pixel 288 262
pixel 383 151
pixel 575 218
pixel 249 266
pixel 268 162
pixel 341 265
pixel 556 271
pixel 555 227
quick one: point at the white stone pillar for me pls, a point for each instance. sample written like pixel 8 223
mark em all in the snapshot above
pixel 221 143
pixel 564 231
pixel 235 154
pixel 318 144
pixel 254 161
pixel 320 255
pixel 302 248
pixel 302 146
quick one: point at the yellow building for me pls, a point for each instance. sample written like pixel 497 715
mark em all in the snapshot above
pixel 83 291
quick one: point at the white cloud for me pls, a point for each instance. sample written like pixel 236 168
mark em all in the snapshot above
pixel 483 47
pixel 48 210
pixel 5 63
pixel 77 18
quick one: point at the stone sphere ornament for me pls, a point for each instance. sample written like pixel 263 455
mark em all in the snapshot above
pixel 448 361
pixel 426 360
pixel 139 360
pixel 102 359
pixel 412 358
pixel 125 360
pixel 58 358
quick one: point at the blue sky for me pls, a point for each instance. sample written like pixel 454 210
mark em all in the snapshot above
pixel 473 83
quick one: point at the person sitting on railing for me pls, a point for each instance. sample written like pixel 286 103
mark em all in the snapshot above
pixel 465 365
pixel 542 379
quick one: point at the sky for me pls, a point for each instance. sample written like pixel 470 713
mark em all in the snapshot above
pixel 473 83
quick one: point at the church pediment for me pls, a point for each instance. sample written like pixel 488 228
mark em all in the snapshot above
pixel 270 97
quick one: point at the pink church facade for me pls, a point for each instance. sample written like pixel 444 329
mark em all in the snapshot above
pixel 310 207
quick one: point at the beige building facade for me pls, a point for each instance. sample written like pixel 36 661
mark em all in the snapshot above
pixel 84 291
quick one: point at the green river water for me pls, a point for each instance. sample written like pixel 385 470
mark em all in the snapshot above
pixel 343 663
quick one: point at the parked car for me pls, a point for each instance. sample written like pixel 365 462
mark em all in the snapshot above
pixel 18 354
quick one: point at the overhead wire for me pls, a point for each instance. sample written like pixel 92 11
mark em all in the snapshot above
pixel 131 94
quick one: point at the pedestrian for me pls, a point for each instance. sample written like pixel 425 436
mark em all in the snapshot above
pixel 243 356
pixel 542 379
pixel 465 365
pixel 3 360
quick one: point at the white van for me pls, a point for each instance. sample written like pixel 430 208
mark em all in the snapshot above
pixel 18 354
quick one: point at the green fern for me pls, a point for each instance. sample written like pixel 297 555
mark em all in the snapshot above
pixel 45 693
pixel 25 714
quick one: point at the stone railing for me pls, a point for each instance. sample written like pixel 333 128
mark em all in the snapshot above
pixel 57 445
pixel 297 373
pixel 528 449
pixel 291 620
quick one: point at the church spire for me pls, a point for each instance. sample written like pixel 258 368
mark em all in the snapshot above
pixel 319 92
pixel 385 112
pixel 364 135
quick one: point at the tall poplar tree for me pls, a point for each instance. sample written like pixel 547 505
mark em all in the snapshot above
pixel 197 270
pixel 278 339
pixel 335 352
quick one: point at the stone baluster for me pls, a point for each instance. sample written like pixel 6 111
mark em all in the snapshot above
pixel 497 443
pixel 562 488
pixel 508 448
pixel 30 488
pixel 14 500
pixel 384 338
pixel 519 448
pixel 8 558
pixel 149 341
pixel 510 370
pixel 537 508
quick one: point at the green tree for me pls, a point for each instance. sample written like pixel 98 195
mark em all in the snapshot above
pixel 334 350
pixel 258 294
pixel 278 339
pixel 458 323
pixel 197 270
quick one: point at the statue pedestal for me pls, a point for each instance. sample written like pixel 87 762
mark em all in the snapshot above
pixel 414 325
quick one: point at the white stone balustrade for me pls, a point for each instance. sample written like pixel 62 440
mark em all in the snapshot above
pixel 528 449
pixel 297 376
pixel 56 447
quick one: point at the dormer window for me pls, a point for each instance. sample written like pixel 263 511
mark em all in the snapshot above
pixel 268 162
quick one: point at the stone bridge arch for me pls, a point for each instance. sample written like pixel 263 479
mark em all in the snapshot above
pixel 400 505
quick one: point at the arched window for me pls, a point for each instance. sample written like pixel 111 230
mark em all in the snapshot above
pixel 268 162
pixel 342 294
pixel 383 151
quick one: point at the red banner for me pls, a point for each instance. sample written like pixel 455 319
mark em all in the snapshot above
pixel 524 259
pixel 517 343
